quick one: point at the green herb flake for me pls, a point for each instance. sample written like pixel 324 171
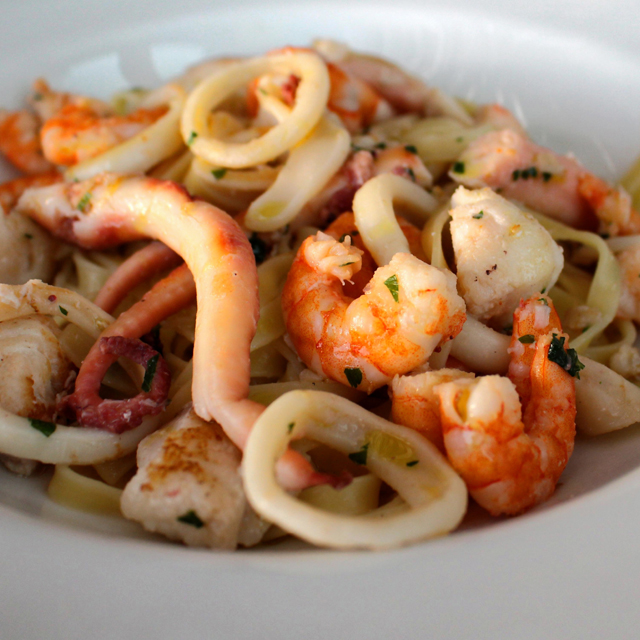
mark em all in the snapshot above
pixel 412 175
pixel 28 236
pixel 546 176
pixel 346 264
pixel 45 428
pixel 528 339
pixel 381 145
pixel 479 215
pixel 413 463
pixel 84 202
pixel 515 175
pixel 150 372
pixel 459 139
pixel 544 301
pixel 192 137
pixel 533 172
pixel 392 284
pixel 354 376
pixel 290 427
pixel 605 236
pixel 411 149
pixel 567 359
pixel 458 167
pixel 259 246
pixel 63 311
pixel 544 289
pixel 360 457
pixel 191 518
pixel 218 174
pixel 508 330
pixel 586 328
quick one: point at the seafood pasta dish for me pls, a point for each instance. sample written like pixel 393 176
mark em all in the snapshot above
pixel 306 293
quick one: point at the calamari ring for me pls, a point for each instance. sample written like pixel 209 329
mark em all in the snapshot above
pixel 311 100
pixel 375 217
pixel 436 497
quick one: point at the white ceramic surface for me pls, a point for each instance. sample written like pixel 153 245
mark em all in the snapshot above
pixel 567 570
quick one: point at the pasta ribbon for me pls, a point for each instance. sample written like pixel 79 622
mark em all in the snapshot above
pixel 604 291
pixel 302 176
pixel 435 496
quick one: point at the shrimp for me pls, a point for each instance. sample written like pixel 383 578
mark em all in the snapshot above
pixel 345 225
pixel 109 210
pixel 415 404
pixel 354 101
pixel 407 310
pixel 511 438
pixel 78 133
pixel 20 142
pixel 11 191
pixel 555 185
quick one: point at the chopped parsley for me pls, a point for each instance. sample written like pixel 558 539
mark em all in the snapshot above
pixel 546 176
pixel 413 463
pixel 360 457
pixel 392 284
pixel 28 236
pixel 515 175
pixel 45 428
pixel 150 372
pixel 412 175
pixel 544 301
pixel 479 215
pixel 381 145
pixel 543 289
pixel 354 376
pixel 411 149
pixel 605 236
pixel 192 137
pixel 567 359
pixel 528 339
pixel 290 427
pixel 459 139
pixel 191 518
pixel 458 167
pixel 84 202
pixel 346 264
pixel 218 174
pixel 259 247
pixel 63 311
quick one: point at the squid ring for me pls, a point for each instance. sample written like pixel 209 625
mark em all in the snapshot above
pixel 435 496
pixel 311 100
pixel 376 220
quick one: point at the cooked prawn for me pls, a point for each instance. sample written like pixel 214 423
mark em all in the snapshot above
pixel 345 225
pixel 20 142
pixel 555 185
pixel 511 438
pixel 109 210
pixel 78 133
pixel 11 191
pixel 407 310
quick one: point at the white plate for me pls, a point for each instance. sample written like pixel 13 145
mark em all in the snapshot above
pixel 567 570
